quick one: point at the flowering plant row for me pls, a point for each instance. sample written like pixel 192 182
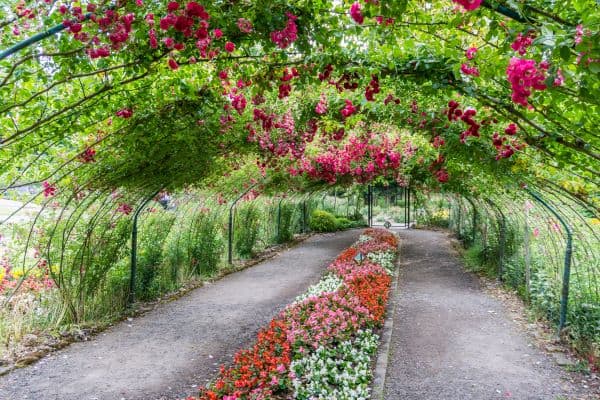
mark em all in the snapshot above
pixel 320 346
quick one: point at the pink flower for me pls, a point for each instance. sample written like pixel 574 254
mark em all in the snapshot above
pixel 153 40
pixel 168 42
pixel 124 113
pixel 124 208
pixel 469 70
pixel 469 5
pixel 524 76
pixel 321 107
pixel 560 79
pixel 442 175
pixel 470 53
pixel 49 189
pixel 239 103
pixel 218 34
pixel 287 35
pixel 244 25
pixel 522 42
pixel 348 109
pixel 578 34
pixel 536 232
pixel 438 141
pixel 356 14
pixel 229 47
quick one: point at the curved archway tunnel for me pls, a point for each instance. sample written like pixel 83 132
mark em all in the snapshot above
pixel 154 117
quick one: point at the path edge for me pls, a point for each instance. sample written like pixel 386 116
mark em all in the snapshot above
pixel 383 353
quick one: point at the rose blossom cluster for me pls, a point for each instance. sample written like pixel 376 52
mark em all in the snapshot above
pixel 524 77
pixel 288 35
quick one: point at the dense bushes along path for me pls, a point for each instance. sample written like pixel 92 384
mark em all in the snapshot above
pixel 166 351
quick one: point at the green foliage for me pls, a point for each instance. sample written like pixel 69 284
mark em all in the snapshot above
pixel 322 221
pixel 205 243
pixel 286 222
pixel 247 229
pixel 152 235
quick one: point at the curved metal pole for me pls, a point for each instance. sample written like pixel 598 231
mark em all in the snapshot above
pixel 370 205
pixel 408 213
pixel 134 231
pixel 564 301
pixel 230 238
pixel 502 226
pixel 305 212
pixel 474 227
pixel 505 11
pixel 36 38
pixel 279 220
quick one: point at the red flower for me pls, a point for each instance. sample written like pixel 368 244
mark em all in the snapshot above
pixel 124 113
pixel 87 156
pixel 124 208
pixel 284 90
pixel 229 47
pixel 244 25
pixel 194 9
pixel 75 28
pixel 173 64
pixel 468 70
pixel 511 129
pixel 287 35
pixel 172 6
pixel 356 14
pixel 522 42
pixel 442 176
pixel 469 5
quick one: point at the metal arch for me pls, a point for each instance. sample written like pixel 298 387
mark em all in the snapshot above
pixel 36 38
pixel 502 238
pixel 564 300
pixel 230 225
pixel 134 231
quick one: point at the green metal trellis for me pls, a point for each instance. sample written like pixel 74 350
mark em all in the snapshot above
pixel 134 232
pixel 564 301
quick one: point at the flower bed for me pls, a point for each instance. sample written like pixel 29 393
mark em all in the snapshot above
pixel 320 346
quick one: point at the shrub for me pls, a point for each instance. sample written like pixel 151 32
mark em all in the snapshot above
pixel 153 234
pixel 322 221
pixel 344 223
pixel 247 230
pixel 205 244
pixel 286 223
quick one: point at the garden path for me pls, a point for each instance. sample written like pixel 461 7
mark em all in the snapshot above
pixel 451 340
pixel 167 352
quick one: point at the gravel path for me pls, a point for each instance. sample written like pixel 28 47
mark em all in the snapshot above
pixel 452 341
pixel 167 352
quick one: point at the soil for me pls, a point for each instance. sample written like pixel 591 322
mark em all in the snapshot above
pixel 169 351
pixel 453 340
